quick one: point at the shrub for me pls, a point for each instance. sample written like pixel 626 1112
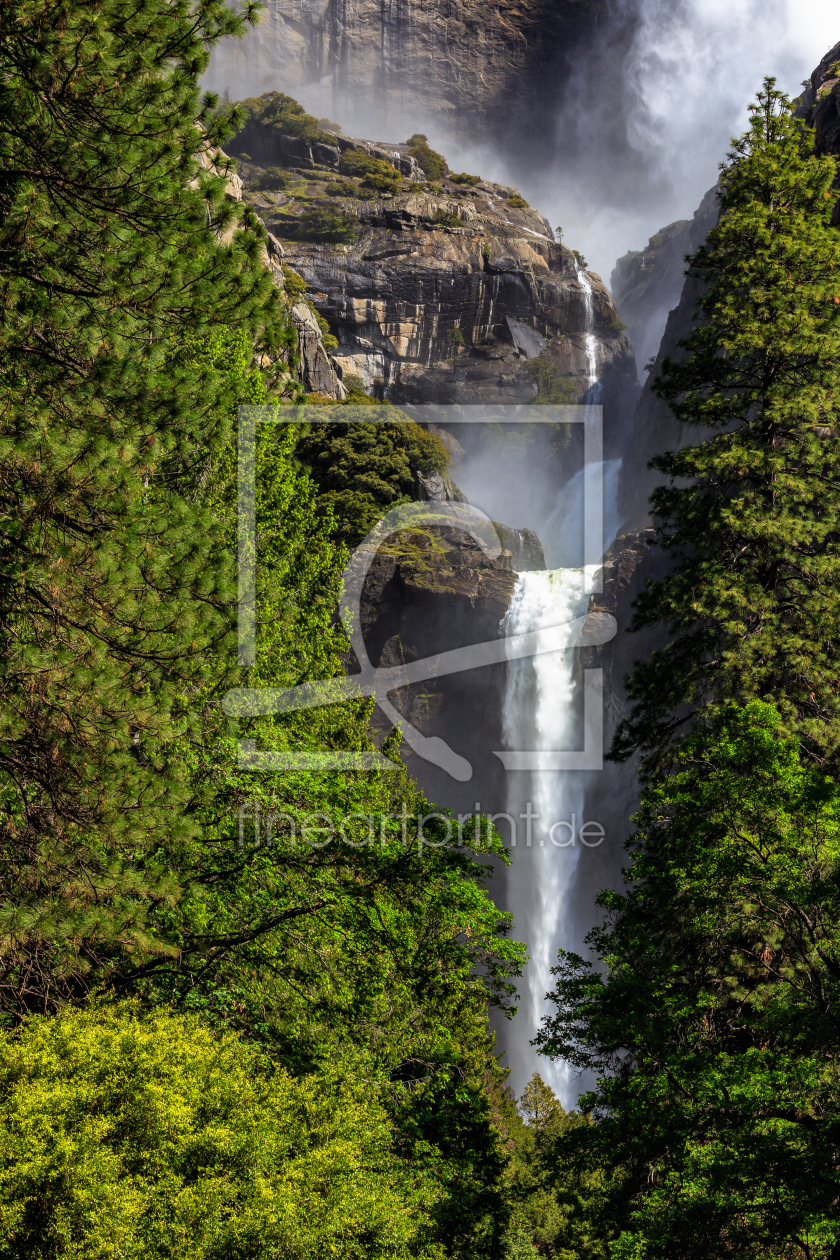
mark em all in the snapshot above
pixel 433 164
pixel 322 223
pixel 469 180
pixel 444 219
pixel 293 284
pixel 552 387
pixel 150 1137
pixel 388 180
pixel 517 203
pixel 272 179
pixel 330 342
pixel 341 189
pixel 284 115
pixel 378 175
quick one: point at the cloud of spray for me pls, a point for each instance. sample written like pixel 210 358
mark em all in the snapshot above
pixel 647 120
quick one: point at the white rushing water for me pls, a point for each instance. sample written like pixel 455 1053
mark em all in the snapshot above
pixel 593 393
pixel 541 714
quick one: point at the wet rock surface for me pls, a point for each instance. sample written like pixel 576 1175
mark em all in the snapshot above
pixel 435 591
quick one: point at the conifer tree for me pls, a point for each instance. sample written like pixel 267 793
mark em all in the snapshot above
pixel 713 1022
pixel 117 244
pixel 749 516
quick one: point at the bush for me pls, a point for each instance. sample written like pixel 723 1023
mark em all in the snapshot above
pixel 272 179
pixel 340 189
pixel 444 219
pixel 149 1137
pixel 284 115
pixel 293 284
pixel 433 164
pixel 469 180
pixel 378 175
pixel 517 203
pixel 322 223
pixel 613 322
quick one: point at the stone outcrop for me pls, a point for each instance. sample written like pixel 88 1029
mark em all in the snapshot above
pixel 432 267
pixel 317 372
pixel 820 105
pixel 654 427
pixel 646 284
pixel 433 591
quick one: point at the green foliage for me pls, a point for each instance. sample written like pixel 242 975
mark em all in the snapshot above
pixel 276 112
pixel 363 470
pixel 273 179
pixel 551 1196
pixel 552 387
pixel 711 1020
pixel 322 223
pixel 114 603
pixel 469 180
pixel 443 219
pixel 749 515
pixel 517 203
pixel 612 321
pixel 579 258
pixel 713 1025
pixel 330 342
pixel 293 284
pixel 377 175
pixel 147 1136
pixel 433 164
pixel 340 188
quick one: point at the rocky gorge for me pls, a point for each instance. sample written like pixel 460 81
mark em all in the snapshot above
pixel 453 292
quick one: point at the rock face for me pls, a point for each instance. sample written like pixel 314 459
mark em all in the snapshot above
pixel 646 284
pixel 435 591
pixel 463 61
pixel 820 105
pixel 654 427
pixel 431 268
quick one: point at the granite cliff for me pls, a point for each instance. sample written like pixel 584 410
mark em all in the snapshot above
pixel 471 65
pixel 447 292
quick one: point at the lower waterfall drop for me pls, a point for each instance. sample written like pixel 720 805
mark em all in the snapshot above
pixel 540 713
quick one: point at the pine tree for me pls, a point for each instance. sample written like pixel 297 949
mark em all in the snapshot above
pixel 712 1024
pixel 117 244
pixel 749 517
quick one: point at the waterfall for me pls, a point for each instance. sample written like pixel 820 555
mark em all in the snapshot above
pixel 543 711
pixel 540 713
pixel 594 392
